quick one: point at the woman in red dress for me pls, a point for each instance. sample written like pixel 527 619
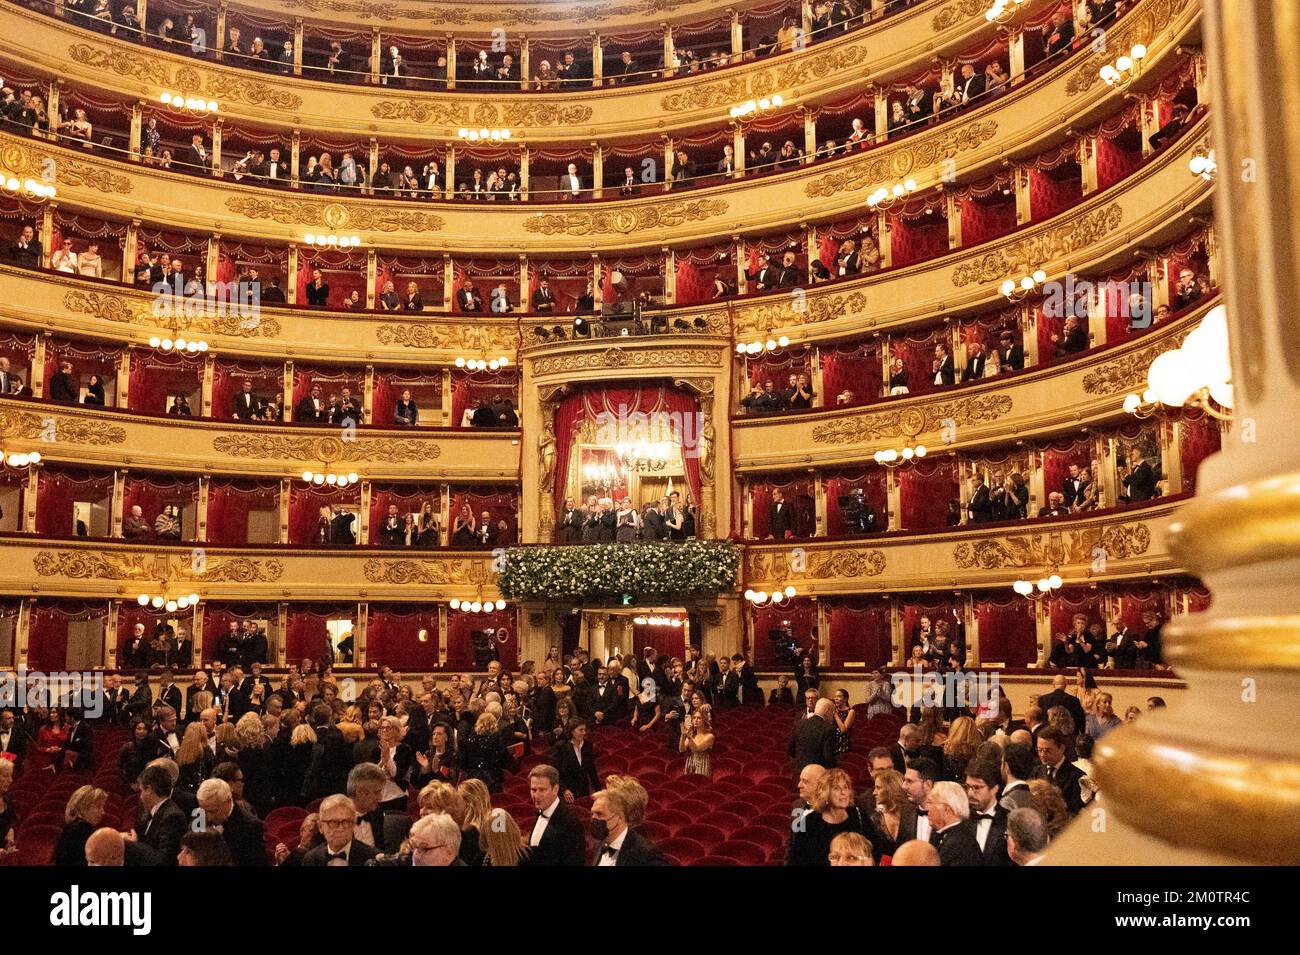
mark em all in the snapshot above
pixel 50 742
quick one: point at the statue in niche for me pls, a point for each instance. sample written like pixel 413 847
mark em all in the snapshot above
pixel 707 436
pixel 546 454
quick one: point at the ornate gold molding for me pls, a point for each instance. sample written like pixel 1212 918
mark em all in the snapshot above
pixel 624 221
pixel 1129 372
pixel 736 89
pixel 326 449
pixel 1053 548
pixel 618 357
pixel 818 308
pixel 838 563
pixel 913 421
pixel 117 308
pixel 428 335
pixel 891 164
pixel 434 571
pixel 1140 28
pixel 956 13
pixel 377 217
pixel 481 114
pixel 81 565
pixel 1076 233
pixel 26 161
pixel 31 426
pixel 458 16
pixel 154 71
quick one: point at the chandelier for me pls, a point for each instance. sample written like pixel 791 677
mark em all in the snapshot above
pixel 330 478
pixel 1017 289
pixel 1044 585
pixel 478 135
pixel 605 476
pixel 22 459
pixel 195 104
pixel 896 457
pixel 748 108
pixel 178 344
pixel 643 458
pixel 476 606
pixel 887 196
pixel 1198 374
pixel 163 602
pixel 658 621
pixel 762 347
pixel 1126 68
pixel 776 598
pixel 1003 11
pixel 28 187
pixel 1203 165
pixel 324 241
pixel 482 364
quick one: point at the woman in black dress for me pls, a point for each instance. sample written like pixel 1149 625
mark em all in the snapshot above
pixel 440 762
pixel 462 532
pixel 833 811
pixel 135 753
pixel 94 391
pixel 84 813
pixel 426 528
pixel 483 755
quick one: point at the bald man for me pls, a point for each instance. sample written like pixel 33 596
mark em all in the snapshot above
pixel 814 738
pixel 809 777
pixel 105 847
pixel 916 853
pixel 1059 697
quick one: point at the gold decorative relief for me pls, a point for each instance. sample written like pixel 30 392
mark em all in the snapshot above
pixel 710 95
pixel 118 308
pixel 617 357
pixel 334 215
pixel 889 164
pixel 955 13
pixel 1140 27
pixel 426 335
pixel 155 72
pixel 102 305
pixel 762 565
pixel 120 62
pixel 434 571
pixel 804 69
pixel 327 449
pixel 446 15
pixel 665 215
pixel 24 160
pixel 1082 546
pixel 58 429
pixel 912 421
pixel 1056 242
pixel 416 111
pixel 81 565
pixel 1128 372
pixel 819 307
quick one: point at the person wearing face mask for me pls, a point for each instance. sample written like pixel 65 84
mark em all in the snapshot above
pixel 618 844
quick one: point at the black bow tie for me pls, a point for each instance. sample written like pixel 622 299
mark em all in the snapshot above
pixel 608 851
pixel 981 815
pixel 341 854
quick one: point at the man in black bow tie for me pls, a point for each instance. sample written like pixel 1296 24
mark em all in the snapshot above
pixel 338 823
pixel 557 837
pixel 951 832
pixel 618 844
pixel 987 817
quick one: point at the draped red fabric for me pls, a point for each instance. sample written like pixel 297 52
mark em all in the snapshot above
pixel 925 488
pixel 393 637
pixel 852 368
pixel 229 502
pixel 500 505
pixel 826 249
pixel 468 388
pixel 460 645
pixel 218 617
pixel 778 368
pixel 153 492
pixel 871 480
pixel 57 491
pixel 859 632
pixel 383 402
pixel 1114 162
pixel 1068 601
pixel 983 220
pixel 917 351
pixel 1200 438
pixel 1060 454
pixel 306 631
pixel 1198 598
pixel 383 276
pixel 130 613
pixel 305 502
pixel 47 633
pixel 607 285
pixel 19 349
pixel 799 617
pixel 155 377
pixel 304 276
pixel 426 392
pixel 408 498
pixel 225 268
pixel 1008 631
pixel 1136 599
pixel 668 641
pixel 1048 324
pixel 1054 190
pixel 800 495
pixel 692 286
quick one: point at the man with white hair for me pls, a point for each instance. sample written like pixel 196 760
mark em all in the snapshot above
pixel 435 840
pixel 243 832
pixel 809 777
pixel 914 852
pixel 1027 836
pixel 950 830
pixel 385 831
pixel 338 823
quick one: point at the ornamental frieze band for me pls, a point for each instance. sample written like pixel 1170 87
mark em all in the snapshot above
pixel 895 163
pixel 426 335
pixel 1129 372
pixel 427 571
pixel 1036 250
pixel 621 358
pixel 150 567
pixel 666 216
pixel 837 563
pixel 334 215
pixel 118 308
pixel 1083 546
pixel 395 450
pixel 913 421
pixel 53 428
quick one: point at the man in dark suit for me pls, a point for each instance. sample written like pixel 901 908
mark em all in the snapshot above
pixel 468 298
pixel 629 186
pixel 64 387
pixel 338 823
pixel 918 781
pixel 1122 647
pixel 169 693
pixel 1140 482
pixel 346 409
pixel 245 403
pixel 950 829
pixel 1011 356
pixel 79 751
pixel 814 738
pixel 13 738
pixel 311 407
pixel 780 518
pixel 767 276
pixel 1072 487
pixel 988 820
pixel 242 830
pixel 944 369
pixel 1058 771
pixel 971 86
pixel 198 157
pixel 376 826
pixel 160 823
pixel 556 837
pixel 331 758
pixel 1018 764
pixel 652 523
pixel 1058 697
pixel 576 763
pixel 789 275
pixel 1061 34
pixel 726 683
pixel 318 290
pixel 609 700
pixel 26 250
pixel 975 361
pixel 617 843
pixel 544 298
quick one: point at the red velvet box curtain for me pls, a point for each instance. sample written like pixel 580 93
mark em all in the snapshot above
pixel 918 231
pixel 859 631
pixel 1136 599
pixel 393 637
pixel 87 359
pixel 799 491
pixel 986 213
pixel 426 392
pixel 589 403
pixel 1008 629
pixel 343 271
pixel 47 630
pixel 842 483
pixel 229 502
pixel 1058 454
pixel 1116 159
pixel 854 368
pixel 1055 180
pixel 130 613
pixel 799 617
pixel 668 641
pixel 567 278
pixel 500 505
pixel 1068 601
pixel 916 348
pixel 57 491
pixel 20 349
pixel 228 380
pixel 306 631
pixel 469 388
pixel 778 368
pixel 460 647
pixel 331 380
pixel 217 618
pixel 305 502
pixel 1200 438
pixel 157 376
pixel 935 606
pixel 154 492
pixel 408 498
pixel 925 489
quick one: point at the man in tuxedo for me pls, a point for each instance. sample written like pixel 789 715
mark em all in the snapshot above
pixel 767 276
pixel 245 403
pixel 683 171
pixel 1018 764
pixel 1122 645
pixel 197 156
pixel 384 830
pixel 1140 482
pixel 242 831
pixel 788 276
pixel 950 829
pixel 571 522
pixel 629 185
pixel 727 164
pixel 13 738
pixel 918 780
pixel 275 170
pixel 1058 697
pixel 945 371
pixel 975 361
pixel 160 823
pixel 609 702
pixel 1056 769
pixel 1061 35
pixel 617 843
pixel 780 518
pixel 556 837
pixel 1072 340
pixel 626 68
pixel 918 104
pixel 971 86
pixel 331 758
pixel 544 298
pixel 338 823
pixel 726 683
pixel 468 298
pixel 392 532
pixel 338 60
pixel 1149 644
pixel 571 183
pixel 318 290
pixel 346 409
pixel 1011 356
pixel 987 818
pixel 311 407
pixel 814 738
pixel 26 250
pixel 652 523
pixel 134 526
pixel 64 387
pixel 648 667
pixel 169 694
pixel 1072 487
pixel 6 379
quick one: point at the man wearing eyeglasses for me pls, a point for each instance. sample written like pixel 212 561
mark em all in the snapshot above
pixel 435 840
pixel 338 823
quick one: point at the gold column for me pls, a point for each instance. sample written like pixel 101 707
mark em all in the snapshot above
pixel 37 376
pixel 374 164
pixel 1170 434
pixel 597 171
pixel 201 519
pixel 525 63
pixel 670 161
pixel 523 174
pixel 446 400
pixel 1016 55
pixel 952 209
pixel 444 515
pixel 451 63
pixel 291 284
pixel 130 251
pixel 448 278
pixel 886 240
pixel 525 302
pixel 882 111
pixel 376 55
pixel 284 510
pixel 115 505
pixel 22 633
pixel 368 396
pixel 972 630
pixel 741 278
pixel 29 509
pixel 220 40
pixel 297 46
pixel 737 33
pixel 196 636
pixel 1149 122
pixel 47 232
pixel 295 149
pixel 893 496
pixel 809 134
pixel 597 59
pixel 364 537
pixel 213 257
pixel 668 49
pixel 442 634
pixel 1029 334
pixel 819 504
pixel 670 275
pixel 137 127
pixel 897 639
pixel 122 398
pixel 737 150
pixel 108 649
pixel 286 393
pixel 1088 163
pixel 216 150
pixel 597 293
pixel 372 275
pixel 281 629
pixel 1020 179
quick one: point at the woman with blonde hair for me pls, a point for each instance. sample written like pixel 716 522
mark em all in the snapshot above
pixel 84 813
pixel 697 741
pixel 483 755
pixel 478 808
pixel 851 848
pixel 442 797
pixel 227 743
pixel 195 759
pixel 832 812
pixel 963 740
pixel 504 843
pixel 256 763
pixel 931 726
pixel 891 803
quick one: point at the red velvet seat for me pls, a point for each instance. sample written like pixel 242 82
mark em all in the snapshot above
pixel 292 815
pixel 705 835
pixel 682 850
pixel 769 840
pixel 652 781
pixel 647 764
pixel 671 819
pixel 36 845
pixel 761 769
pixel 694 807
pixel 714 861
pixel 40 818
pixel 728 822
pixel 744 853
pixel 656 832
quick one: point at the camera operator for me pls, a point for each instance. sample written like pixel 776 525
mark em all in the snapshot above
pixel 859 518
